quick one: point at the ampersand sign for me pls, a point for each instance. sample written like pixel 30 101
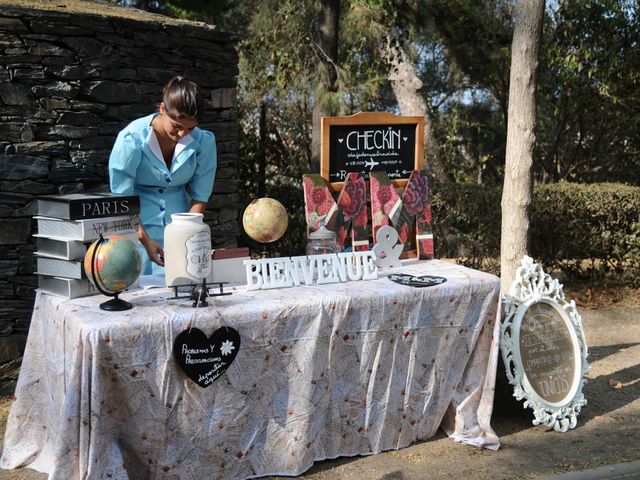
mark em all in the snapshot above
pixel 386 252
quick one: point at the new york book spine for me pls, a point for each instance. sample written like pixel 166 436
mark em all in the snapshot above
pixel 82 207
pixel 86 230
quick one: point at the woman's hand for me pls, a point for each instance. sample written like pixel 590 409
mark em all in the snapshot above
pixel 155 251
pixel 153 248
pixel 197 207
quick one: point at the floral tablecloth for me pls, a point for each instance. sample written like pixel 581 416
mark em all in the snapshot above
pixel 322 371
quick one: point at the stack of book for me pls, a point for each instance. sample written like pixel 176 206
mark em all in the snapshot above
pixel 67 225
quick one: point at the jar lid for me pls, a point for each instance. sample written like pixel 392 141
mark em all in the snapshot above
pixel 186 217
pixel 322 233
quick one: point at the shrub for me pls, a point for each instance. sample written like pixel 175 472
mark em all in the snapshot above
pixel 466 223
pixel 582 229
pixel 591 229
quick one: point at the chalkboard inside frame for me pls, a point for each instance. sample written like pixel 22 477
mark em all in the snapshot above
pixel 371 141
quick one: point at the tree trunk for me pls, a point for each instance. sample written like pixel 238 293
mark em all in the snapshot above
pixel 406 87
pixel 328 29
pixel 262 151
pixel 518 175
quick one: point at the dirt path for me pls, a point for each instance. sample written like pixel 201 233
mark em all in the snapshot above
pixel 608 428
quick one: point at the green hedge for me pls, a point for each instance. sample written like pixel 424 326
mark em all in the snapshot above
pixel 583 229
pixel 466 224
pixel 589 228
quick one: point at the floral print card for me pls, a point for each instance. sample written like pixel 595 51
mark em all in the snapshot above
pixel 318 201
pixel 353 213
pixel 385 200
pixel 411 214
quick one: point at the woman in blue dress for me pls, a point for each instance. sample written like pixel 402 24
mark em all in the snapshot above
pixel 169 162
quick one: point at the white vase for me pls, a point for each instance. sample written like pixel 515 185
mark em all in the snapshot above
pixel 187 250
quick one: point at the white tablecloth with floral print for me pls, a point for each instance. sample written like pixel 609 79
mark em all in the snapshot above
pixel 322 372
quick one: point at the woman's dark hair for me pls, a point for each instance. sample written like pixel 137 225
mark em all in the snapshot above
pixel 183 99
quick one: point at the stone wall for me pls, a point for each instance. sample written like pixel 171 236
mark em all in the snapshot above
pixel 69 81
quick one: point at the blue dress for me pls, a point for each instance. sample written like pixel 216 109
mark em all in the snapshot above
pixel 134 169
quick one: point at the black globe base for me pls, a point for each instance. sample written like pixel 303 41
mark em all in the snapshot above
pixel 116 305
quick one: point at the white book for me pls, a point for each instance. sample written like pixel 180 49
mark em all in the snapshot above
pixel 66 287
pixel 65 249
pixel 230 270
pixel 60 248
pixel 56 267
pixel 86 230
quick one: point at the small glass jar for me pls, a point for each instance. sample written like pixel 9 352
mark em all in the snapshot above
pixel 322 241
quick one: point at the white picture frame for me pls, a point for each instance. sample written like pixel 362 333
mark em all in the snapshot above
pixel 544 348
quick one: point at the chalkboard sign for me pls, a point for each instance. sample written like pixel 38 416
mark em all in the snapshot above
pixel 544 348
pixel 204 358
pixel 371 142
pixel 549 352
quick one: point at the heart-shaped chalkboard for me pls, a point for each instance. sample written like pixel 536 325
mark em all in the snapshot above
pixel 205 359
pixel 414 281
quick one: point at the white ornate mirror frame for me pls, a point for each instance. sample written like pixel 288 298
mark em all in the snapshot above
pixel 544 347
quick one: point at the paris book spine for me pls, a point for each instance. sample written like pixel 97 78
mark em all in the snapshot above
pixel 77 206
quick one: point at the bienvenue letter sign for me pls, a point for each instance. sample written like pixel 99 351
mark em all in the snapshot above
pixel 284 272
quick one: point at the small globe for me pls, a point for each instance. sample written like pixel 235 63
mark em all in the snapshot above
pixel 265 220
pixel 117 262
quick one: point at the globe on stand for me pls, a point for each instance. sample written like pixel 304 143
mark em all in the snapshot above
pixel 265 220
pixel 113 264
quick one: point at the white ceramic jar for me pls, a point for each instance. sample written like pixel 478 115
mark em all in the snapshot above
pixel 187 249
